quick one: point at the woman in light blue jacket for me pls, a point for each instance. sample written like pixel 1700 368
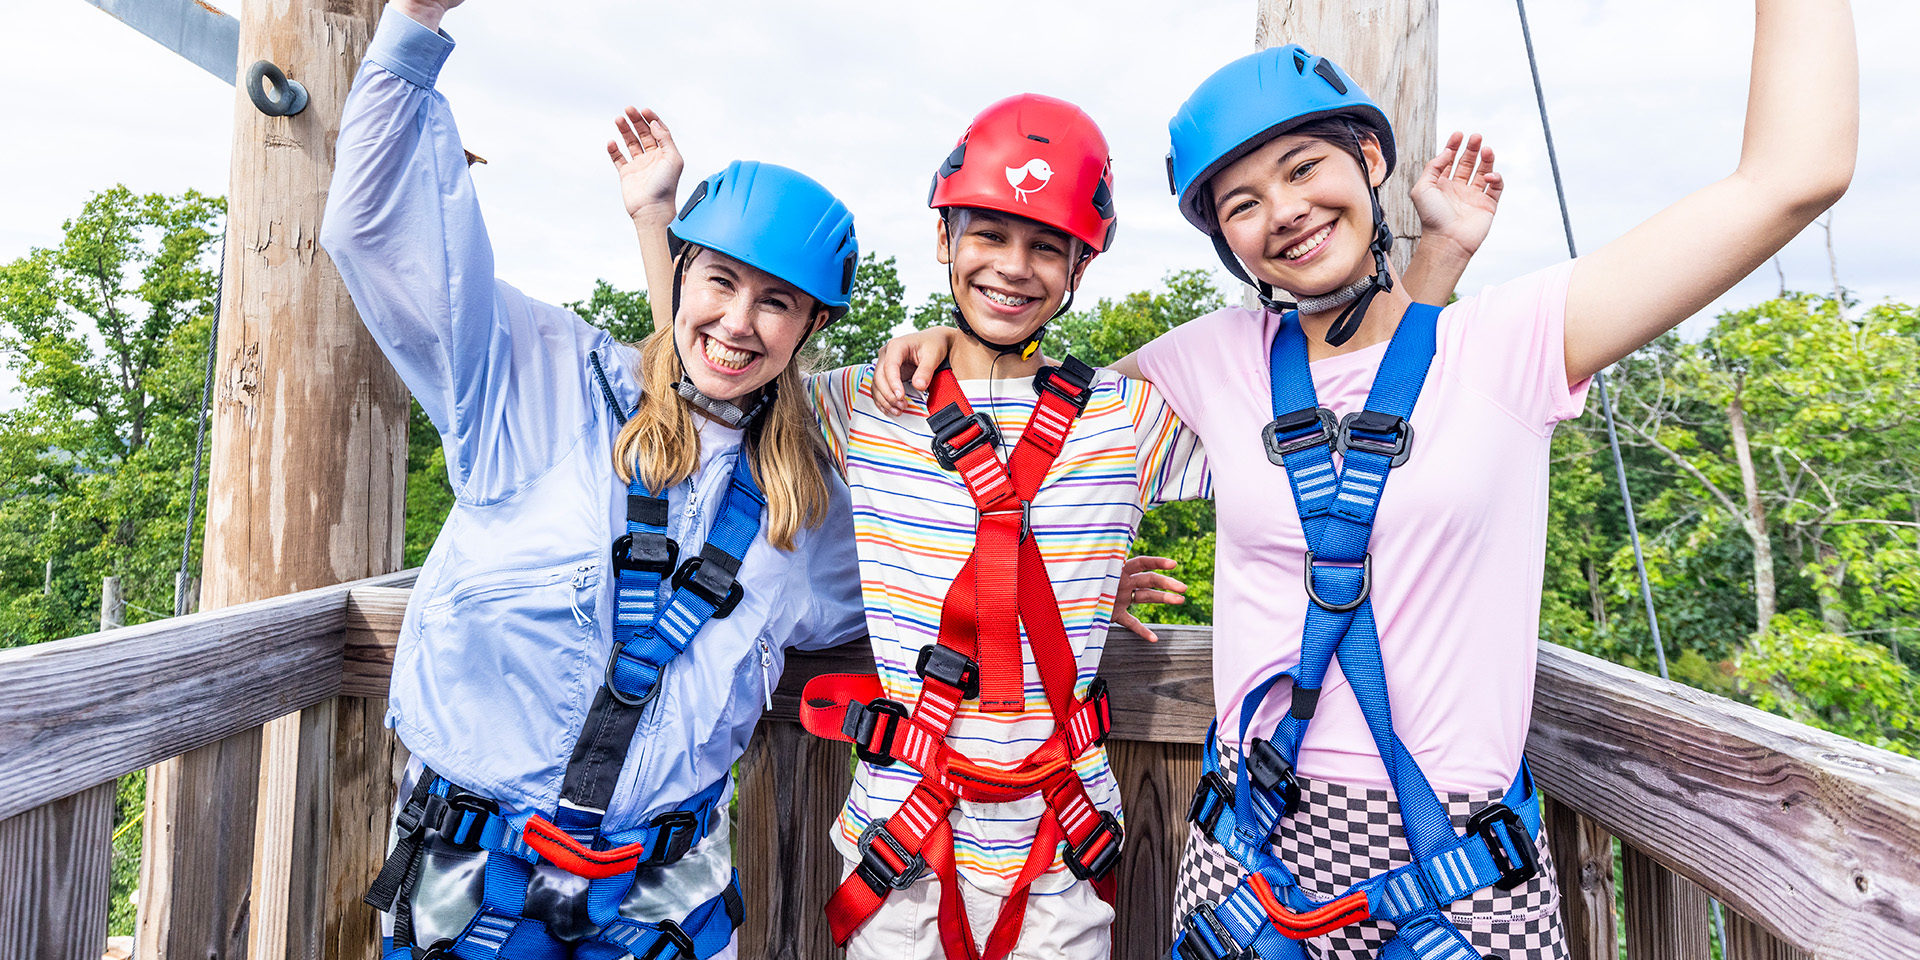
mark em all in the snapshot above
pixel 639 536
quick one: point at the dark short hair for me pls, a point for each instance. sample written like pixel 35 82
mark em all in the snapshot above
pixel 1341 132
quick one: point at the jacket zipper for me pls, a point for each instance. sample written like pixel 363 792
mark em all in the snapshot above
pixel 766 672
pixel 580 617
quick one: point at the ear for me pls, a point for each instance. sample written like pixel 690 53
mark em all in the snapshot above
pixel 942 247
pixel 1079 270
pixel 821 318
pixel 1376 160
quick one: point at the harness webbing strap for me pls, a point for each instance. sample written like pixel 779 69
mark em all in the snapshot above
pixel 1002 584
pixel 1267 912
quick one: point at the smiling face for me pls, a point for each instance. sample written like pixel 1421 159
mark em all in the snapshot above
pixel 738 327
pixel 1010 274
pixel 1297 212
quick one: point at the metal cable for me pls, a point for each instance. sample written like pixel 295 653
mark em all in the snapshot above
pixel 1599 379
pixel 200 434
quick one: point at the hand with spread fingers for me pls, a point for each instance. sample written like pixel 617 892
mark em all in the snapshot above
pixel 1139 584
pixel 427 13
pixel 1457 195
pixel 649 165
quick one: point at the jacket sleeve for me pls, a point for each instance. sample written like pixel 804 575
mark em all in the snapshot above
pixel 503 377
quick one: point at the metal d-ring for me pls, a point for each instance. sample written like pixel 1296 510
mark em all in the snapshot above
pixel 1366 586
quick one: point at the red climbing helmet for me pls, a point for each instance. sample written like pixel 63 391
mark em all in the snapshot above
pixel 1035 157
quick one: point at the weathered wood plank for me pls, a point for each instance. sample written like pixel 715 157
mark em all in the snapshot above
pixel 1583 855
pixel 1156 782
pixel 1666 914
pixel 1812 835
pixel 206 914
pixel 372 630
pixel 1747 940
pixel 790 790
pixel 55 862
pixel 84 710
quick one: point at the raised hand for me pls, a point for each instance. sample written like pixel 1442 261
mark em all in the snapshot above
pixel 1139 584
pixel 1457 195
pixel 427 13
pixel 649 166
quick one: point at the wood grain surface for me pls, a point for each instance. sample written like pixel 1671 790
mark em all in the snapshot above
pixel 1583 857
pixel 55 861
pixel 791 787
pixel 1810 834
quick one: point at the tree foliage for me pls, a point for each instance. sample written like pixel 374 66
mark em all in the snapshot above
pixel 107 333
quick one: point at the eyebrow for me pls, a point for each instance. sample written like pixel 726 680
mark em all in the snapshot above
pixel 994 216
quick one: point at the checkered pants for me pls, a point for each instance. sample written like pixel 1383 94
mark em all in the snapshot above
pixel 1342 835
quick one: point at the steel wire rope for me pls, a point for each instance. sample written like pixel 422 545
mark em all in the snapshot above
pixel 180 599
pixel 1600 378
pixel 1606 406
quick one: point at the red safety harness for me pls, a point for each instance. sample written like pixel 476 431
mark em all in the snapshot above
pixel 1003 583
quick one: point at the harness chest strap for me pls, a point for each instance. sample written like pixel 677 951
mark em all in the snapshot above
pixel 1003 582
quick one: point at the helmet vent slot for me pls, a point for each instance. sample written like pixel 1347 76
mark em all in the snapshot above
pixel 699 194
pixel 1325 69
pixel 954 161
pixel 1299 64
pixel 1035 136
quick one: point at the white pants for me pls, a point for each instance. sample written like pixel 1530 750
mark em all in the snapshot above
pixel 1073 924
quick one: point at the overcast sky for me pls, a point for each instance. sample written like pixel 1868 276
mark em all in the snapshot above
pixel 1646 98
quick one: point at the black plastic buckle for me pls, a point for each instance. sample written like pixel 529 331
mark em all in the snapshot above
pixel 1103 709
pixel 1211 798
pixel 1512 872
pixel 861 719
pixel 1273 774
pixel 1104 855
pixel 1200 932
pixel 670 936
pixel 658 553
pixel 724 594
pixel 441 949
pixel 1356 426
pixel 1283 435
pixel 1366 586
pixel 948 423
pixel 881 877
pixel 412 818
pixel 1056 380
pixel 681 827
pixel 951 667
pixel 459 803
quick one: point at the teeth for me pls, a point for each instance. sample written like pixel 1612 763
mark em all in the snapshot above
pixel 725 356
pixel 1308 245
pixel 1010 301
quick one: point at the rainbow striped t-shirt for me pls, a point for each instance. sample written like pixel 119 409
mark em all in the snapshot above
pixel 914 524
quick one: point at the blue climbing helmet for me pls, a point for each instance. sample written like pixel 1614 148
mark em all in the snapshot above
pixel 1247 103
pixel 778 220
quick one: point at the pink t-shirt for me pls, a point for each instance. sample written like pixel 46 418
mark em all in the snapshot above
pixel 1458 546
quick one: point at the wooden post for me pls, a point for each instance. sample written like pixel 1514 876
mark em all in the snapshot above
pixel 1666 912
pixel 56 860
pixel 308 466
pixel 113 606
pixel 1391 48
pixel 1583 857
pixel 791 787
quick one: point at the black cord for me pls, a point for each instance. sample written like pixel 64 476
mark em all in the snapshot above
pixel 1599 379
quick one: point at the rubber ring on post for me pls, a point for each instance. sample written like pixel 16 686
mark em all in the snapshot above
pixel 286 98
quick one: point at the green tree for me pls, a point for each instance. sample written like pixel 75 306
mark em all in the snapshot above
pixel 879 308
pixel 107 332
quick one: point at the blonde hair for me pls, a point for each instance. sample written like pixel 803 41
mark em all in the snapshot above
pixel 784 442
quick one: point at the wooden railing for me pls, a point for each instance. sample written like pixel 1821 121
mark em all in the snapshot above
pixel 1810 841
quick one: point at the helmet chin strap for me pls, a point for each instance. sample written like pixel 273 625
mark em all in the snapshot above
pixel 722 410
pixel 1357 296
pixel 1024 348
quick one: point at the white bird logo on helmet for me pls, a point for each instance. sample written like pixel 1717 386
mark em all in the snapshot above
pixel 1029 178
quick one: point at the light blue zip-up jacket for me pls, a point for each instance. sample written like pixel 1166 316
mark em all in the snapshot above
pixel 508 634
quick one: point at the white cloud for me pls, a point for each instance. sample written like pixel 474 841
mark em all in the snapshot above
pixel 1646 99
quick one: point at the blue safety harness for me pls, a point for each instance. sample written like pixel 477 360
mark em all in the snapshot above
pixel 1268 914
pixel 659 609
